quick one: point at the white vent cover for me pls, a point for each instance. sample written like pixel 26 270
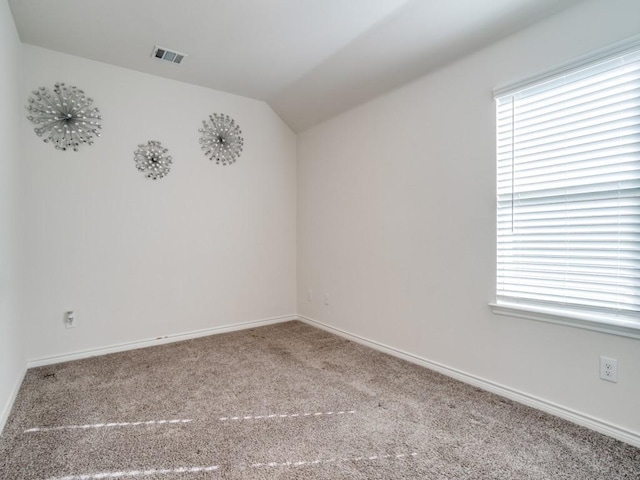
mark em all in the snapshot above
pixel 172 56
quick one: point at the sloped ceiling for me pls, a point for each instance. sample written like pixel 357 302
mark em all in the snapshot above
pixel 309 59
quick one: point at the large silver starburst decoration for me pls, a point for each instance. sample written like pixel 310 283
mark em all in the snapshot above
pixel 64 116
pixel 151 159
pixel 221 139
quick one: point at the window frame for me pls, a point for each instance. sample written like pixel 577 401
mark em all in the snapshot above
pixel 585 320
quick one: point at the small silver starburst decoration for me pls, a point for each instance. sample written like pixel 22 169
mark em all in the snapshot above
pixel 151 159
pixel 64 116
pixel 221 139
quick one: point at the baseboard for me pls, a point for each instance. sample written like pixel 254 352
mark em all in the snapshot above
pixel 566 413
pixel 576 417
pixel 156 341
pixel 6 410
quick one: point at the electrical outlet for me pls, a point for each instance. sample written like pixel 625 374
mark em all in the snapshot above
pixel 325 299
pixel 609 369
pixel 309 296
pixel 70 319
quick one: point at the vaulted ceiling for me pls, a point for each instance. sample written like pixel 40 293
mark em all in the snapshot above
pixel 309 59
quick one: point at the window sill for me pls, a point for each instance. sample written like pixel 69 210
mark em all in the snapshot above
pixel 610 326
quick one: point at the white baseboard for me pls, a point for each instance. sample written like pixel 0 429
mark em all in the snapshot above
pixel 566 413
pixel 6 410
pixel 156 341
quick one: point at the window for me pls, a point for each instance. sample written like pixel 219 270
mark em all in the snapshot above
pixel 568 195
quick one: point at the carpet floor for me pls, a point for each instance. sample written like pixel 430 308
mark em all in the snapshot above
pixel 286 401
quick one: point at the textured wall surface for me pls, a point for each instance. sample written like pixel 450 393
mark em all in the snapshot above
pixel 396 223
pixel 206 246
pixel 12 356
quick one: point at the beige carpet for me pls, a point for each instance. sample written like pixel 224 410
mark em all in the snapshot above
pixel 284 402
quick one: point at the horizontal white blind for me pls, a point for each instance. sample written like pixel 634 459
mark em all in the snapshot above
pixel 569 192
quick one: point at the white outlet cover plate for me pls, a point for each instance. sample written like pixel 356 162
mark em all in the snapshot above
pixel 70 320
pixel 609 369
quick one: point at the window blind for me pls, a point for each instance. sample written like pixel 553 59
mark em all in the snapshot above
pixel 568 193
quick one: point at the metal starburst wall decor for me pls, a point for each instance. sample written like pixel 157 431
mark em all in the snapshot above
pixel 221 139
pixel 64 116
pixel 151 159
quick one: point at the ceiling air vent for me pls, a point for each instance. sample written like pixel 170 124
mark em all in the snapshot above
pixel 162 53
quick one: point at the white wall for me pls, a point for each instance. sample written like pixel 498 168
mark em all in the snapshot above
pixel 396 223
pixel 206 246
pixel 11 332
pixel 395 220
